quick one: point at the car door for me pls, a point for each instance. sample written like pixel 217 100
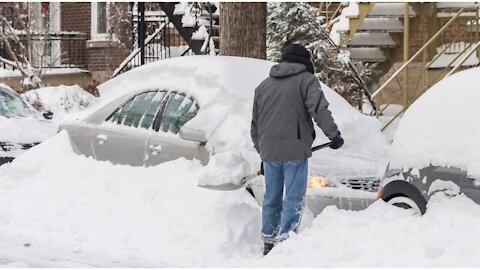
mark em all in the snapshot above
pixel 165 144
pixel 123 137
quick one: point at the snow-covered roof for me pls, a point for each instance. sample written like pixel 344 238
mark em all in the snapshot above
pixel 442 126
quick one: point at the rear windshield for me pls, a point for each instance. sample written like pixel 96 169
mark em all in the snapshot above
pixel 12 104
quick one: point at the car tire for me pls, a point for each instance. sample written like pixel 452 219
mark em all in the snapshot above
pixel 403 194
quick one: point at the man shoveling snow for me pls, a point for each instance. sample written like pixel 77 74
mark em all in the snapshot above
pixel 282 132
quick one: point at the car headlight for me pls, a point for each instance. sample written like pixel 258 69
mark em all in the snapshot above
pixel 316 181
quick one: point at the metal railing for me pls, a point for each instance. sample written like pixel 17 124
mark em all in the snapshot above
pixel 52 50
pixel 445 70
pixel 164 43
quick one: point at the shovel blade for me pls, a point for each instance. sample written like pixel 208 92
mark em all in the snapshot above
pixel 231 186
pixel 223 187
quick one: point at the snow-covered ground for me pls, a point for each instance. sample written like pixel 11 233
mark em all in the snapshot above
pixel 119 216
pixel 101 214
pixel 61 209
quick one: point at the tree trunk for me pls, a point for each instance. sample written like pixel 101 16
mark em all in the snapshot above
pixel 243 29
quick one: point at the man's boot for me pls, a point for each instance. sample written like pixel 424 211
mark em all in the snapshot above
pixel 266 248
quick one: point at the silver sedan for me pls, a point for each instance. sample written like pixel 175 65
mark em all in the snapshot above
pixel 121 132
pixel 145 127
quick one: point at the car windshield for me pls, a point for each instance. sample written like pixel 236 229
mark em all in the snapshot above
pixel 12 104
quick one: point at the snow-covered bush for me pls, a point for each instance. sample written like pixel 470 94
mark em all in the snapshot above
pixel 60 100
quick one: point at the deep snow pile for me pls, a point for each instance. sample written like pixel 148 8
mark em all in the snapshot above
pixel 60 100
pixel 157 216
pixel 442 126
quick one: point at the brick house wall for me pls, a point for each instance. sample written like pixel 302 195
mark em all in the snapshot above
pixel 102 57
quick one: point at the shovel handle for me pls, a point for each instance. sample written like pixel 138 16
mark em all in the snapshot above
pixel 315 148
pixel 321 146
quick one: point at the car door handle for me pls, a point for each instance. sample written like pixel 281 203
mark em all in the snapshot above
pixel 102 138
pixel 155 149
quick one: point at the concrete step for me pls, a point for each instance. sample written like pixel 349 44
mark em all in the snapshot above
pixel 389 10
pixel 380 40
pixel 367 54
pixel 389 25
pixel 456 5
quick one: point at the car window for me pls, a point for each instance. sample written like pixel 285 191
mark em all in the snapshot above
pixel 179 109
pixel 139 111
pixel 12 105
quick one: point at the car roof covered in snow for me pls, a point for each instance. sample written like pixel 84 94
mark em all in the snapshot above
pixel 239 75
pixel 442 127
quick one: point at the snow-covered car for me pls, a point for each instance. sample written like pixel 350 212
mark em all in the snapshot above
pixel 199 107
pixel 21 126
pixel 437 145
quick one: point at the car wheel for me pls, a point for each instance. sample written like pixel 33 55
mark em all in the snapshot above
pixel 404 195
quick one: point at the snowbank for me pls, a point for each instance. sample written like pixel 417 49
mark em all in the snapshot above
pixel 153 214
pixel 386 236
pixel 442 127
pixel 157 216
pixel 60 100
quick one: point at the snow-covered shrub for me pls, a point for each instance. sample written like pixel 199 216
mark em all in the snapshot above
pixel 60 100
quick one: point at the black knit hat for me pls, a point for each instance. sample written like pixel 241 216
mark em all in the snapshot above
pixel 298 54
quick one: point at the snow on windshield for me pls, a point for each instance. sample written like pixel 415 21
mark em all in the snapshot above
pixel 441 128
pixel 12 105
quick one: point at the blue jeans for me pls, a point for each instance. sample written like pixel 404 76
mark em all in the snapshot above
pixel 281 215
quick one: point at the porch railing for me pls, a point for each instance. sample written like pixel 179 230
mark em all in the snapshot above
pixel 445 70
pixel 53 50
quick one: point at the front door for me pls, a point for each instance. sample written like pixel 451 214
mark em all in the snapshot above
pixel 166 145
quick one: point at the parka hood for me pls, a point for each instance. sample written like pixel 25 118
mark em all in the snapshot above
pixel 285 69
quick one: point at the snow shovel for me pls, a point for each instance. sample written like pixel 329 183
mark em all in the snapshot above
pixel 247 179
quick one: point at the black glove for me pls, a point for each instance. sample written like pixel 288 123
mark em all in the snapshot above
pixel 337 141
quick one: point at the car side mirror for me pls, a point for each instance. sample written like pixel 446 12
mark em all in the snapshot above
pixel 48 115
pixel 191 134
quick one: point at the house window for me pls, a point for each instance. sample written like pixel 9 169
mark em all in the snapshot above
pixel 99 20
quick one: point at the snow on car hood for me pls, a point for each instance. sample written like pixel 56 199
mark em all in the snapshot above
pixel 442 127
pixel 25 130
pixel 224 88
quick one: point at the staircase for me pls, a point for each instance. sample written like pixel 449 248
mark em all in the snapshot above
pixel 172 29
pixel 375 33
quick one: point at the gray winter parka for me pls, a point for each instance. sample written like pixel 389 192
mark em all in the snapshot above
pixel 283 108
